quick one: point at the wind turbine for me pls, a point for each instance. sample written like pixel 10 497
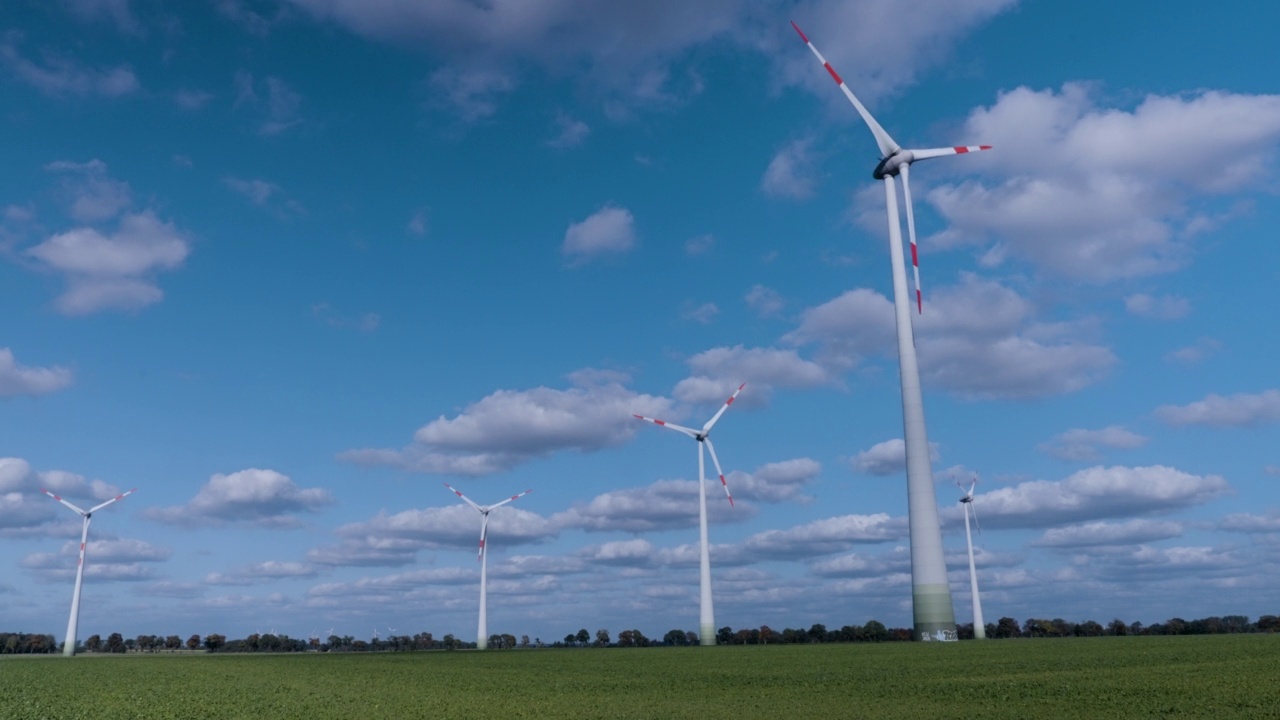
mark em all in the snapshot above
pixel 979 629
pixel 707 622
pixel 69 645
pixel 482 632
pixel 934 615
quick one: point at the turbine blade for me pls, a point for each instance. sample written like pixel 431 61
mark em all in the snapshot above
pixel 716 418
pixel 905 172
pixel 484 531
pixel 975 518
pixel 663 423
pixel 513 497
pixel 883 141
pixel 465 499
pixel 719 472
pixel 121 496
pixel 942 152
pixel 64 502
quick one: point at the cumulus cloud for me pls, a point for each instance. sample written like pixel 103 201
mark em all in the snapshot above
pixel 1239 410
pixel 1096 493
pixel 828 535
pixel 699 244
pixel 262 572
pixel 570 132
pixel 511 427
pixel 717 372
pixel 1202 349
pixel 609 231
pixel 95 195
pixel 888 458
pixel 704 313
pixel 1092 534
pixel 977 339
pixel 663 505
pixel 1093 193
pixel 1081 444
pixel 1164 307
pixel 1251 523
pixel 472 93
pixel 18 379
pixel 256 497
pixel 107 559
pixel 395 539
pixel 790 173
pixel 26 512
pixel 766 302
pixel 61 76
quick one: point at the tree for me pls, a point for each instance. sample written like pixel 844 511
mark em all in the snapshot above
pixel 450 642
pixel 691 638
pixel 524 641
pixel 767 635
pixel 214 642
pixel 602 638
pixel 674 637
pixel 1117 627
pixel 570 639
pixel 818 633
pixel 875 631
pixel 93 643
pixel 724 636
pixel 173 642
pixel 115 643
pixel 193 642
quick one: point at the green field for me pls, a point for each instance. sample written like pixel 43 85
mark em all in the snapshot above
pixel 1219 676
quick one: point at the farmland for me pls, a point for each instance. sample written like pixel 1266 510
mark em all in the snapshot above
pixel 1202 676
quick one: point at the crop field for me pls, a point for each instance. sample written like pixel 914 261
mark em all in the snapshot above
pixel 1132 677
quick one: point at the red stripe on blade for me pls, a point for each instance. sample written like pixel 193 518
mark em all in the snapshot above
pixel 915 258
pixel 834 76
pixel 802 35
pixel 961 150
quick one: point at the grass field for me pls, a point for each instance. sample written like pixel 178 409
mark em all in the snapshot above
pixel 1142 677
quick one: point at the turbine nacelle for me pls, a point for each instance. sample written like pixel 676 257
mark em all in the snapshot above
pixel 892 165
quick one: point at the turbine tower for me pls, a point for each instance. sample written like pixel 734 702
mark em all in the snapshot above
pixel 69 644
pixel 482 632
pixel 706 620
pixel 930 595
pixel 979 628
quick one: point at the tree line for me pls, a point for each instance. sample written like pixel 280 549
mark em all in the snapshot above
pixel 12 643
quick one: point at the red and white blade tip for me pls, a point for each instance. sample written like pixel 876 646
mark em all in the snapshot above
pixel 971 148
pixel 655 421
pixel 46 492
pixel 802 35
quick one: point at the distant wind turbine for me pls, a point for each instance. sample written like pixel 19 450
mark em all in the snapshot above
pixel 979 628
pixel 69 645
pixel 707 622
pixel 482 631
pixel 934 615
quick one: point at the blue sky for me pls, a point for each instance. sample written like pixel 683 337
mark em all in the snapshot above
pixel 287 266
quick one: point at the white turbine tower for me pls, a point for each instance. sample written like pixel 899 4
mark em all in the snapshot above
pixel 707 621
pixel 979 628
pixel 69 645
pixel 931 597
pixel 482 632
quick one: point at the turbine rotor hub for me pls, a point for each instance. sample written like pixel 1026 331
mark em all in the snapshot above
pixel 891 165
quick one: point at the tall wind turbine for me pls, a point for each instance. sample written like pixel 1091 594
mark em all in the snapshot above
pixel 979 628
pixel 707 621
pixel 69 644
pixel 482 632
pixel 930 595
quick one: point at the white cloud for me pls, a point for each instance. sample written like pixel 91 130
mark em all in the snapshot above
pixel 1130 532
pixel 663 505
pixel 977 339
pixel 790 173
pixel 262 572
pixel 279 111
pixel 192 99
pixel 511 427
pixel 775 482
pixel 1251 523
pixel 699 244
pixel 395 539
pixel 1080 444
pixel 767 302
pixel 96 195
pixel 112 271
pixel 258 191
pixel 61 76
pixel 828 535
pixel 704 313
pixel 888 458
pixel 115 11
pixel 1093 193
pixel 1164 307
pixel 1191 354
pixel 570 132
pixel 1239 410
pixel 609 231
pixel 257 497
pixel 18 379
pixel 106 559
pixel 1095 493
pixel 717 372
pixel 418 223
pixel 472 93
